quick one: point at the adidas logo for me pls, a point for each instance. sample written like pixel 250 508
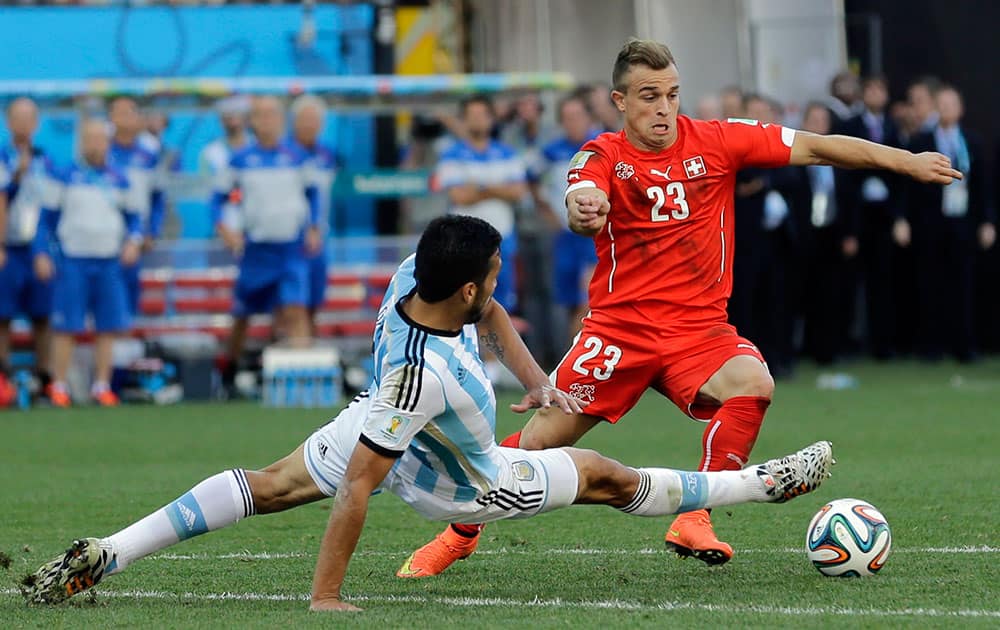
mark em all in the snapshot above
pixel 187 514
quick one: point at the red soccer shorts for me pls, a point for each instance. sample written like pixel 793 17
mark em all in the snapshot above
pixel 610 365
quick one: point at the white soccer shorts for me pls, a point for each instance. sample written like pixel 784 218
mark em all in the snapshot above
pixel 531 482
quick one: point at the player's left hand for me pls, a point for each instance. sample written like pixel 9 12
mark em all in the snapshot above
pixel 546 396
pixel 325 605
pixel 931 168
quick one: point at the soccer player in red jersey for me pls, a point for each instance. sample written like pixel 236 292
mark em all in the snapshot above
pixel 657 197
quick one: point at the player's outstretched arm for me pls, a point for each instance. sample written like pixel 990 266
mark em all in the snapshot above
pixel 365 471
pixel 587 209
pixel 497 333
pixel 847 152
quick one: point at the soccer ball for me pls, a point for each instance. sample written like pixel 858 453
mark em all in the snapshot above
pixel 848 538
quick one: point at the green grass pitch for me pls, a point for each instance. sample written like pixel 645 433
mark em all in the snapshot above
pixel 919 442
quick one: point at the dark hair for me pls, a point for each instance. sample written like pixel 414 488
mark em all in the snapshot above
pixel 452 251
pixel 639 52
pixel 811 105
pixel 571 98
pixel 930 82
pixel 881 79
pixel 482 99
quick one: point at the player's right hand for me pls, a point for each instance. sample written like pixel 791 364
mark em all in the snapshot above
pixel 44 269
pixel 589 212
pixel 3 257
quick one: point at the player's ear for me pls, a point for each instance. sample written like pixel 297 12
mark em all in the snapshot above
pixel 469 291
pixel 619 100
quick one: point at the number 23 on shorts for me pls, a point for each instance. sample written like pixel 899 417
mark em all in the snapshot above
pixel 609 354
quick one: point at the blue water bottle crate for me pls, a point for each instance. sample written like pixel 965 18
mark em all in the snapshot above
pixel 301 377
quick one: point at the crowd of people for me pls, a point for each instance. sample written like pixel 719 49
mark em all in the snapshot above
pixel 74 235
pixel 828 262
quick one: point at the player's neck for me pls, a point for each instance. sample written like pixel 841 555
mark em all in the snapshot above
pixel 22 144
pixel 435 318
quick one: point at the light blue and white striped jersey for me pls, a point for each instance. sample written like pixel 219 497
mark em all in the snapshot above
pixel 25 195
pixel 145 183
pixel 88 213
pixel 461 164
pixel 432 401
pixel 277 192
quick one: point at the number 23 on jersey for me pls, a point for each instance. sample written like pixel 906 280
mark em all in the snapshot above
pixel 659 195
pixel 612 355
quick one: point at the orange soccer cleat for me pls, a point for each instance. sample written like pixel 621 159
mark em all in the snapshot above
pixel 58 395
pixel 691 535
pixel 439 554
pixel 105 398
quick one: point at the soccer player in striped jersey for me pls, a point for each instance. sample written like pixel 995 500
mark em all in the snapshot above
pixel 425 431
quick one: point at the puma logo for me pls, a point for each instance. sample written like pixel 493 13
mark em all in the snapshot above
pixel 663 174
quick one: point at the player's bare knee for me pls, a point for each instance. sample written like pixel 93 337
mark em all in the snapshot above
pixel 601 480
pixel 758 384
pixel 272 489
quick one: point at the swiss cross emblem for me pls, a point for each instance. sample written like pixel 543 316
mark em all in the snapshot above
pixel 694 167
pixel 624 171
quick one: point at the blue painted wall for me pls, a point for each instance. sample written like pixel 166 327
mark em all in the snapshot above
pixel 118 42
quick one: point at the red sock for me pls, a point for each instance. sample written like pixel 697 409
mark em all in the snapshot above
pixel 512 441
pixel 468 531
pixel 730 435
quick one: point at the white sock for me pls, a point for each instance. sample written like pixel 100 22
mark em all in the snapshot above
pixel 663 491
pixel 216 502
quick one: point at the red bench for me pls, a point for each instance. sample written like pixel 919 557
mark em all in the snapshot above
pixel 184 301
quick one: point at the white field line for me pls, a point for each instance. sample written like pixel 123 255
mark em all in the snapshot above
pixel 610 604
pixel 978 549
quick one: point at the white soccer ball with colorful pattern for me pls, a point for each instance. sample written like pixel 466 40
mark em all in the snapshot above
pixel 848 538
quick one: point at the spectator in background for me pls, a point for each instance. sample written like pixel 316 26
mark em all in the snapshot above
pixel 573 255
pixel 845 98
pixel 709 108
pixel 139 165
pixel 308 118
pixel 279 209
pixel 84 238
pixel 872 215
pixel 603 108
pixel 485 178
pixel 154 124
pixel 731 100
pixel 528 129
pixel 922 96
pixel 24 181
pixel 817 201
pixel 948 224
pixel 214 158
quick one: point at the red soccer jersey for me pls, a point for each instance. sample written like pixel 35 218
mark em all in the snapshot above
pixel 666 252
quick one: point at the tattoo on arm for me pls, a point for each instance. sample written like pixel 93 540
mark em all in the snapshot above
pixel 492 341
